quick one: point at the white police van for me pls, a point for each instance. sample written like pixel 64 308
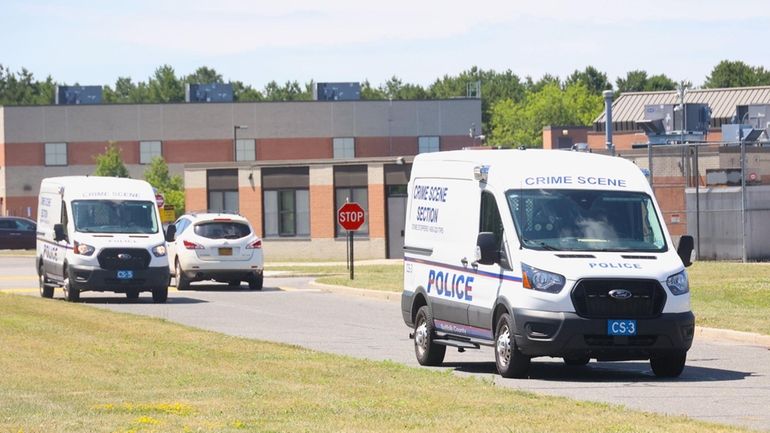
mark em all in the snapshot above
pixel 100 234
pixel 542 253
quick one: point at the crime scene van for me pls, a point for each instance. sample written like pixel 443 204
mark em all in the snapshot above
pixel 542 253
pixel 100 234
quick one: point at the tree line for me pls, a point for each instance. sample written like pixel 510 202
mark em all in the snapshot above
pixel 514 110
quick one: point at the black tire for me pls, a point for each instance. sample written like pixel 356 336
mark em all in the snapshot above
pixel 132 294
pixel 182 282
pixel 426 351
pixel 511 363
pixel 70 294
pixel 576 361
pixel 46 290
pixel 234 283
pixel 256 281
pixel 159 295
pixel 670 365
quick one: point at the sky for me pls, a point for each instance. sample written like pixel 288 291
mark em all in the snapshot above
pixel 95 42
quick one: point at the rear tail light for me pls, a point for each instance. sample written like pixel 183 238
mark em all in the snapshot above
pixel 255 245
pixel 192 245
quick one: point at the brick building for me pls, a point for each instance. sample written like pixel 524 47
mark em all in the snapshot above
pixel 284 165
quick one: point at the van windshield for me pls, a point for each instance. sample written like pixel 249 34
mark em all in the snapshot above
pixel 114 216
pixel 586 220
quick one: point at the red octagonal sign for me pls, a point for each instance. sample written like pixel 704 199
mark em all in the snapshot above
pixel 351 216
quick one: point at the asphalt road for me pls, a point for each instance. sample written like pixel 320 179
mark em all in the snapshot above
pixel 723 382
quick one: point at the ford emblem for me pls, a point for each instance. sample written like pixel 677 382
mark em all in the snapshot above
pixel 620 294
pixel 124 256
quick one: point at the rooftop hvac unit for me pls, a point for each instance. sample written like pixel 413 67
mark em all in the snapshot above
pixel 210 92
pixel 337 92
pixel 78 95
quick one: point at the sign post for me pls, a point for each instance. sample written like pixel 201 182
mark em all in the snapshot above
pixel 351 217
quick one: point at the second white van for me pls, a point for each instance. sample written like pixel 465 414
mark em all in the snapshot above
pixel 542 253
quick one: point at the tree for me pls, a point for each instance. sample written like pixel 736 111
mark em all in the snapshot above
pixel 204 75
pixel 736 74
pixel 291 91
pixel 110 163
pixel 521 124
pixel 172 187
pixel 245 93
pixel 637 81
pixel 536 86
pixel 164 86
pixel 591 78
pixel 371 93
pixel 394 88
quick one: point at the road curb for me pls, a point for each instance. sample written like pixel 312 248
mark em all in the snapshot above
pixel 712 334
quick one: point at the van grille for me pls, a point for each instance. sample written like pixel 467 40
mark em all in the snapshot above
pixel 592 300
pixel 129 259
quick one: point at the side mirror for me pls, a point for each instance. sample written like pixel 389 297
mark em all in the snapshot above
pixel 686 245
pixel 58 233
pixel 487 251
pixel 170 233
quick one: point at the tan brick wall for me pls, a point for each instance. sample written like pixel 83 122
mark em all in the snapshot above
pixel 195 199
pixel 321 249
pixel 322 211
pixel 19 206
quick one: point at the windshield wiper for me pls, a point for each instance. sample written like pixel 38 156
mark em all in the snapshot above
pixel 541 244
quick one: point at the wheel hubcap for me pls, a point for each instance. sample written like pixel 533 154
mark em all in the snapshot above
pixel 421 337
pixel 504 346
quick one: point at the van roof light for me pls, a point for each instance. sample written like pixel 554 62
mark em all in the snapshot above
pixel 481 173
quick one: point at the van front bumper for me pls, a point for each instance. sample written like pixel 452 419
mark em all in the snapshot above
pixel 88 278
pixel 544 333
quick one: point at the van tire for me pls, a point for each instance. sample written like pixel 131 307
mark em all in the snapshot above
pixel 669 365
pixel 510 362
pixel 159 295
pixel 256 281
pixel 46 290
pixel 71 294
pixel 426 351
pixel 182 283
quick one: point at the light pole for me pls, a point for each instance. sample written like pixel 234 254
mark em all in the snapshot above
pixel 235 139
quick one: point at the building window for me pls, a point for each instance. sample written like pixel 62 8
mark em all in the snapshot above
pixel 427 144
pixel 286 201
pixel 222 188
pixel 56 154
pixel 344 148
pixel 351 185
pixel 245 150
pixel 148 150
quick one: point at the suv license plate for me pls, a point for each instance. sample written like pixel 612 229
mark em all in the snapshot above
pixel 125 275
pixel 225 251
pixel 621 327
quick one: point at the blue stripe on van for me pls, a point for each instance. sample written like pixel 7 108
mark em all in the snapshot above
pixel 501 276
pixel 466 330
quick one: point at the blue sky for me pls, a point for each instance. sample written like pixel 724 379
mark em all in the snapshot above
pixel 95 42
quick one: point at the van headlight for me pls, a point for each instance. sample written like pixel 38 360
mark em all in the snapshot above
pixel 538 279
pixel 678 283
pixel 82 249
pixel 159 250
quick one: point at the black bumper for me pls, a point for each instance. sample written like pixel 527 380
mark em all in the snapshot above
pixel 541 333
pixel 102 280
pixel 222 275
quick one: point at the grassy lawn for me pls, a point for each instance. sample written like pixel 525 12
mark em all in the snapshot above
pixel 724 295
pixel 68 367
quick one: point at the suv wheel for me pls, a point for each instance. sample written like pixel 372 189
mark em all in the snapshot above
pixel 182 282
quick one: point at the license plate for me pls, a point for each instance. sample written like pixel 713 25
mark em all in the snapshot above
pixel 225 251
pixel 621 327
pixel 125 275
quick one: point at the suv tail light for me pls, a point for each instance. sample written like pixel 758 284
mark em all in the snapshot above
pixel 255 245
pixel 192 245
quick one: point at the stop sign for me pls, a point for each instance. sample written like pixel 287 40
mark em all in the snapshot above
pixel 159 200
pixel 351 216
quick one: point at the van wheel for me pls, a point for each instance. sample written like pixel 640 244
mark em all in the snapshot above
pixel 182 282
pixel 427 352
pixel 670 365
pixel 71 294
pixel 510 361
pixel 256 281
pixel 46 290
pixel 576 361
pixel 160 295
pixel 132 294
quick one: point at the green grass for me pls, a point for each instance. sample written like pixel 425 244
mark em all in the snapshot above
pixel 724 294
pixel 68 367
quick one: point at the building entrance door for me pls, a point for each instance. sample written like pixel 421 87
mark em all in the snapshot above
pixel 396 221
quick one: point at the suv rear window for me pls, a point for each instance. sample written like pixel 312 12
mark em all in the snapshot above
pixel 222 230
